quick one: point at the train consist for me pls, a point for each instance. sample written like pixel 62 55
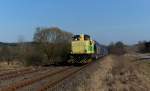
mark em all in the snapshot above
pixel 83 48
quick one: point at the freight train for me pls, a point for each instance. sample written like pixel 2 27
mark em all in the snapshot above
pixel 83 48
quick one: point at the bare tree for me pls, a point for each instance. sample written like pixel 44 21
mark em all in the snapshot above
pixel 22 49
pixel 51 35
pixel 53 43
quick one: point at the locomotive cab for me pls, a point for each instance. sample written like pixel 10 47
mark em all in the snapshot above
pixel 82 44
pixel 83 48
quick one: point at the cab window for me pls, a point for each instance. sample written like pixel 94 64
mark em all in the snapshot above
pixel 76 37
pixel 86 37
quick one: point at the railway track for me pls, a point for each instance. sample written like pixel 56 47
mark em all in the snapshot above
pixel 19 73
pixel 10 79
pixel 27 82
pixel 48 79
pixel 68 75
pixel 5 70
pixel 13 72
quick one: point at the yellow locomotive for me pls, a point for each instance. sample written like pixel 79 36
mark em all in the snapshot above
pixel 82 44
pixel 83 48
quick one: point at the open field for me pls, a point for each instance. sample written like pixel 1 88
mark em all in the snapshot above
pixel 112 73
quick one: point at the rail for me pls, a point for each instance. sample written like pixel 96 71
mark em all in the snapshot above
pixel 19 85
pixel 51 84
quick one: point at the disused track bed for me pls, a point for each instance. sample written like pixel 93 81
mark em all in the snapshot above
pixel 6 73
pixel 3 71
pixel 42 81
pixel 10 79
pixel 33 78
pixel 19 73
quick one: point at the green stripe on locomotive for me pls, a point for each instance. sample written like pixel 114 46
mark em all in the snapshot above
pixel 83 47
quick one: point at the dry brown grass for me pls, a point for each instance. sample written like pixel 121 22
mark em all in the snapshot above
pixel 14 65
pixel 113 73
pixel 126 76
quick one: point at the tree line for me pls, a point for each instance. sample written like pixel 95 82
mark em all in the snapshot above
pixel 52 46
pixel 119 48
pixel 143 46
pixel 49 46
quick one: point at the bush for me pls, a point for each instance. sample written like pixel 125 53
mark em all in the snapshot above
pixel 143 47
pixel 117 48
pixel 34 59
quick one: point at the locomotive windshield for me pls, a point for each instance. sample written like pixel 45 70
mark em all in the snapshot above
pixel 76 37
pixel 86 37
pixel 79 37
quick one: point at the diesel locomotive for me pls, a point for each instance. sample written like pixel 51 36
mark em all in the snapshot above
pixel 83 48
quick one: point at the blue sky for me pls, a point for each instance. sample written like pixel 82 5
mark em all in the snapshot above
pixel 104 20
